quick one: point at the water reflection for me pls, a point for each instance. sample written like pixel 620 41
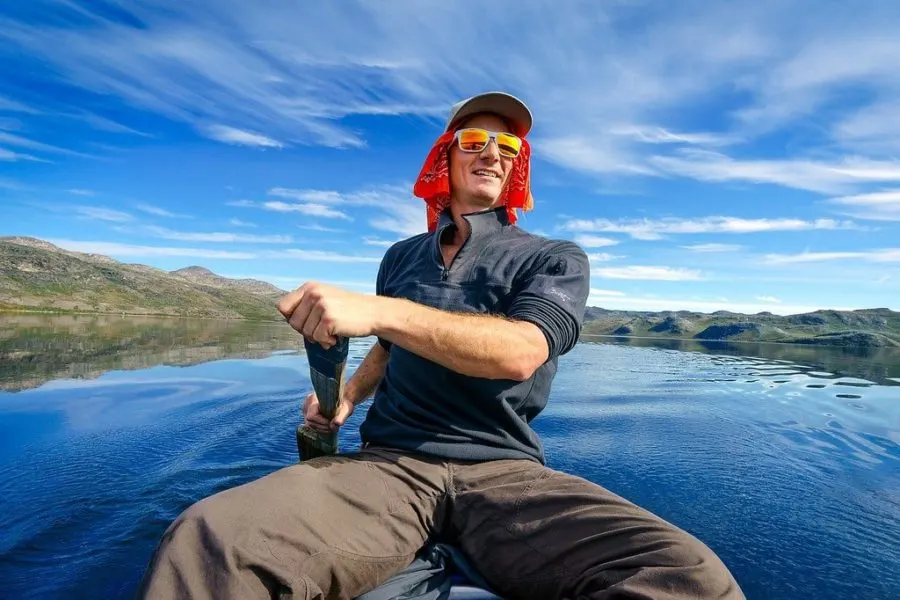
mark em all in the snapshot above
pixel 35 349
pixel 852 366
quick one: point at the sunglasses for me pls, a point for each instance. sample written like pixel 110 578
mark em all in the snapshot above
pixel 473 139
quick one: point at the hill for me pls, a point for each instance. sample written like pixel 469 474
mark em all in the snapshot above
pixel 876 327
pixel 35 274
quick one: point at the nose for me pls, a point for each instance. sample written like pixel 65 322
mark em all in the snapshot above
pixel 491 152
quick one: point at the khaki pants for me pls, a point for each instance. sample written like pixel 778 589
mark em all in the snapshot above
pixel 336 527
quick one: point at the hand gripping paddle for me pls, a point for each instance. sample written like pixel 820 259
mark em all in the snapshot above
pixel 327 371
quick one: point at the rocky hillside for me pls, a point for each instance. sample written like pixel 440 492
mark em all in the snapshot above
pixel 38 275
pixel 871 327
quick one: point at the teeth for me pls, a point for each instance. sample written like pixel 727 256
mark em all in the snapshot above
pixel 488 173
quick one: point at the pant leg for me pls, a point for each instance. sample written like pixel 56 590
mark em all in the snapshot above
pixel 539 533
pixel 331 527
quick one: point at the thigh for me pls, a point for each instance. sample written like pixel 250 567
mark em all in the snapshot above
pixel 330 527
pixel 539 533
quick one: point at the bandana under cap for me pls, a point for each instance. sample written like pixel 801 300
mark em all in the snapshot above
pixel 433 183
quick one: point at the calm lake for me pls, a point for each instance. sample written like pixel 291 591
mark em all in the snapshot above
pixel 784 459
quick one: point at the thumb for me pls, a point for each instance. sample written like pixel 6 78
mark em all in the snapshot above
pixel 343 411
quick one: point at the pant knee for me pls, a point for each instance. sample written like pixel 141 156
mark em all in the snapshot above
pixel 704 570
pixel 203 527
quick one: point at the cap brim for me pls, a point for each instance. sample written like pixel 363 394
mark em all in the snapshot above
pixel 505 105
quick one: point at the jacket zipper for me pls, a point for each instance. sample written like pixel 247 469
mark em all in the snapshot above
pixel 445 270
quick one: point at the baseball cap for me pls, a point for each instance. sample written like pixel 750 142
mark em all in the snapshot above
pixel 501 103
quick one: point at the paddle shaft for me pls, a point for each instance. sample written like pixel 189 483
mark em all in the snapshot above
pixel 327 371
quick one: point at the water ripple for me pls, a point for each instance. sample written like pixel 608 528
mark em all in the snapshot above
pixel 789 471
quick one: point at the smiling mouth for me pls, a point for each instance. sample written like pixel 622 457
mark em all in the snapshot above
pixel 486 173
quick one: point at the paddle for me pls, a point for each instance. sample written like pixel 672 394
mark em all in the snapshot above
pixel 327 371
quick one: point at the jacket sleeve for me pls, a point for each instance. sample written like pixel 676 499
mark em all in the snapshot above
pixel 553 294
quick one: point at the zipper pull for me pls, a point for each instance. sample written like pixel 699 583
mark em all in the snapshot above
pixel 444 274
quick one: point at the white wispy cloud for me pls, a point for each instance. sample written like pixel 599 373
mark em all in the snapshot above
pixel 292 74
pixel 220 237
pixel 659 303
pixel 885 255
pixel 232 135
pixel 115 249
pixel 878 206
pixel 594 241
pixel 314 196
pixel 655 273
pixel 399 211
pixel 104 123
pixel 240 223
pixel 311 210
pixel 322 228
pixel 405 219
pixel 660 135
pixel 325 256
pixel 10 156
pixel 826 177
pixel 771 299
pixel 600 293
pixel 100 213
pixel 714 248
pixel 602 257
pixel 159 212
pixel 647 229
pixel 10 105
pixel 12 184
pixel 374 241
pixel 18 141
pixel 81 192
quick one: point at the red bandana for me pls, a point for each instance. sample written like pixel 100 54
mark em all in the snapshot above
pixel 433 183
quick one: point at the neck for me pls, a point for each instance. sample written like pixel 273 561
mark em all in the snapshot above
pixel 458 208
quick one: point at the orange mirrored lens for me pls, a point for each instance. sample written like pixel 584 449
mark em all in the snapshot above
pixel 509 145
pixel 474 140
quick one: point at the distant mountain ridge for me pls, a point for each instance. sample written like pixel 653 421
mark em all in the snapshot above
pixel 874 327
pixel 35 274
pixel 205 276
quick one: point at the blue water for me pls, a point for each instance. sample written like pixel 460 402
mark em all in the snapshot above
pixel 790 474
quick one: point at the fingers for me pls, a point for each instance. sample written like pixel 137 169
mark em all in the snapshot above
pixel 340 416
pixel 319 423
pixel 305 312
pixel 289 303
pixel 311 324
pixel 301 312
pixel 311 414
pixel 322 333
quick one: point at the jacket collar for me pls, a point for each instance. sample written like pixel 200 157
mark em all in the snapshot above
pixel 481 223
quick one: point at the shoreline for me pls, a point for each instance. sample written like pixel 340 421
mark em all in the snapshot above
pixel 126 314
pixel 727 341
pixel 65 312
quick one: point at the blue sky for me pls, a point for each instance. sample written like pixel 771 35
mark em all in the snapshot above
pixel 707 155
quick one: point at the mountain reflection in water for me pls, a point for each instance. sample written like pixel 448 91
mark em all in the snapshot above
pixel 35 349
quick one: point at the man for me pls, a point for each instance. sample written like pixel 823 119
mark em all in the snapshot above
pixel 470 319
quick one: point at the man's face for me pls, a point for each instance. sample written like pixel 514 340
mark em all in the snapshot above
pixel 478 179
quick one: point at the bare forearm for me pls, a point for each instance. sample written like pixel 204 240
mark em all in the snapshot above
pixel 367 376
pixel 472 344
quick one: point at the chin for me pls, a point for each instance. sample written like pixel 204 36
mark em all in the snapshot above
pixel 485 196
